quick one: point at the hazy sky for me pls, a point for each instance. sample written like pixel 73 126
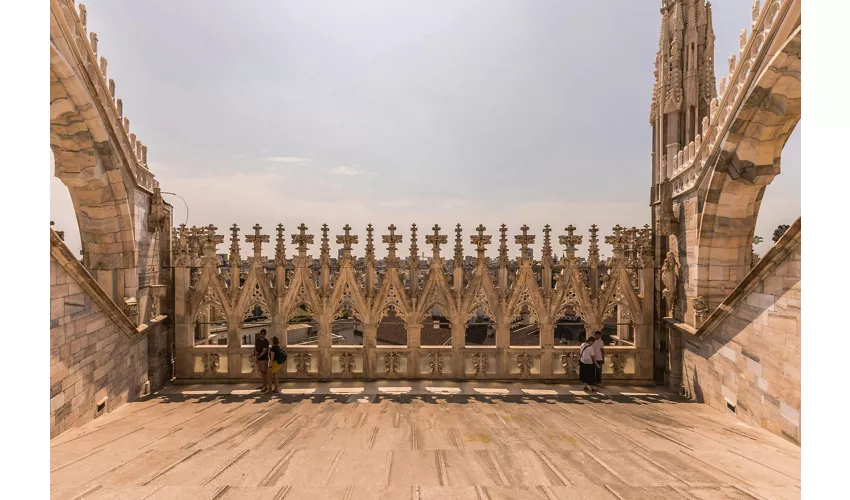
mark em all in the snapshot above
pixel 400 111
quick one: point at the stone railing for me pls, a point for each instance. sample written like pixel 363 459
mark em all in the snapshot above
pixel 96 72
pixel 219 363
pixel 306 289
pixel 691 163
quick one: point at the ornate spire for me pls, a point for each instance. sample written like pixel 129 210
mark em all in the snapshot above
pixel 280 248
pixel 435 240
pixel 618 240
pixel 325 249
pixel 503 245
pixel 346 240
pixel 547 244
pixel 257 239
pixel 480 241
pixel 523 240
pixel 302 239
pixel 570 240
pixel 414 249
pixel 235 257
pixel 593 248
pixel 458 258
pixel 370 247
pixel 391 240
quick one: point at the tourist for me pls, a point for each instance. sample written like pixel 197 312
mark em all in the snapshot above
pixel 278 358
pixel 261 351
pixel 598 355
pixel 587 365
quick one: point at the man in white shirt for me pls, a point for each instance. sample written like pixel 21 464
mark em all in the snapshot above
pixel 598 355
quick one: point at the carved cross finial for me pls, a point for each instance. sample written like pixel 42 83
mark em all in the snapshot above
pixel 257 239
pixel 211 239
pixel 280 248
pixel 480 240
pixel 458 258
pixel 370 247
pixel 414 249
pixel 646 248
pixel 391 240
pixel 346 240
pixel 523 240
pixel 302 239
pixel 435 240
pixel 618 240
pixel 593 248
pixel 570 240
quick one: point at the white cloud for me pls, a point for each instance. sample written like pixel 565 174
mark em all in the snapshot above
pixel 347 170
pixel 290 160
pixel 397 203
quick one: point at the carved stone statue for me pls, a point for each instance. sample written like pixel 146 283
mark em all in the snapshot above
pixel 670 278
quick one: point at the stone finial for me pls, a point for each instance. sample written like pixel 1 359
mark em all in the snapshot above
pixel 126 125
pixel 325 248
pixel 732 62
pixel 83 16
pixel 706 122
pixel 280 247
pixel 547 243
pixel 480 240
pixel 593 247
pixel 235 258
pixel 370 247
pixel 112 88
pixel 435 240
pixel 523 240
pixel 120 105
pixel 712 109
pixel 144 155
pixel 503 245
pixel 210 240
pixel 93 42
pixel 570 240
pixel 391 240
pixel 742 40
pixel 257 239
pixel 691 150
pixel 646 246
pixel 133 143
pixel 756 9
pixel 458 257
pixel 302 239
pixel 414 249
pixel 103 66
pixel 138 149
pixel 618 240
pixel 346 240
pixel 722 86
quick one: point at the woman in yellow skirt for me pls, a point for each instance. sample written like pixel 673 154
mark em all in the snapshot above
pixel 276 360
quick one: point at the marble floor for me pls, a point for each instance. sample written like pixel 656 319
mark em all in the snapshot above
pixel 420 440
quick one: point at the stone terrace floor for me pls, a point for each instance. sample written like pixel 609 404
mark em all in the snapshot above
pixel 420 440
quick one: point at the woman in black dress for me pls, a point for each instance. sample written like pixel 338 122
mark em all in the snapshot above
pixel 587 365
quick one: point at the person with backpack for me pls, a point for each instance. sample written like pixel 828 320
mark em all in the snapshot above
pixel 587 365
pixel 278 359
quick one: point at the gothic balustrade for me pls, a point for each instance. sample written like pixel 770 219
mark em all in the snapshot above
pixel 346 322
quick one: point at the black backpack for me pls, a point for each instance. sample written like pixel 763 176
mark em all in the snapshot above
pixel 280 357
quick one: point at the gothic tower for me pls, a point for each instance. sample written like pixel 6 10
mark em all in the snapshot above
pixel 684 81
pixel 681 97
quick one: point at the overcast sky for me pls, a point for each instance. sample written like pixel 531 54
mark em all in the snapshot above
pixel 400 111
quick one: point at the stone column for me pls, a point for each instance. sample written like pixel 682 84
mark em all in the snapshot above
pixel 503 341
pixel 414 332
pixel 458 342
pixel 673 372
pixel 324 342
pixel 370 340
pixel 547 342
pixel 184 334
